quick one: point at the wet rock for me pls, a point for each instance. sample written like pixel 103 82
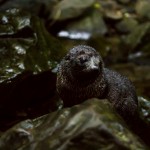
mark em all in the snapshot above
pixel 143 9
pixel 124 1
pixel 140 57
pixel 111 10
pixel 92 24
pixel 91 125
pixel 135 38
pixel 37 7
pixel 21 132
pixel 66 9
pixel 127 25
pixel 28 54
pixel 145 109
pixel 137 44
pixel 142 125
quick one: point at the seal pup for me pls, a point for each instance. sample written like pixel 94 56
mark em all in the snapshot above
pixel 82 75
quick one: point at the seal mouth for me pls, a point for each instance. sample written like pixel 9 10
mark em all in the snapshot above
pixel 90 69
pixel 86 75
pixel 87 70
pixel 90 72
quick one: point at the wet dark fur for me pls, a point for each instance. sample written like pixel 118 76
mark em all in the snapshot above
pixel 106 84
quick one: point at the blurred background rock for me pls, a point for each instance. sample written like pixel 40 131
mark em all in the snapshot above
pixel 35 35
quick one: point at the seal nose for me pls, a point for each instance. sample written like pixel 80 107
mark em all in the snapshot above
pixel 93 65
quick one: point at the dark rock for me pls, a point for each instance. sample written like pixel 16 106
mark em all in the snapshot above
pixel 142 125
pixel 36 7
pixel 28 54
pixel 124 1
pixel 126 25
pixel 143 9
pixel 82 29
pixel 111 10
pixel 144 109
pixel 70 9
pixel 92 125
pixel 137 43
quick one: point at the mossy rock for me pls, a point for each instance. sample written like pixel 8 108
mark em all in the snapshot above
pixel 91 125
pixel 28 54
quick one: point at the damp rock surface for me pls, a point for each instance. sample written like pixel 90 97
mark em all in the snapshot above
pixel 91 125
pixel 118 29
pixel 28 54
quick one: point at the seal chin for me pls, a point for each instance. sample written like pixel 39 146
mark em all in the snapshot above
pixel 91 70
pixel 86 74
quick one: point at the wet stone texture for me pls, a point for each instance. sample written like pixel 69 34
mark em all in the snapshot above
pixel 28 54
pixel 118 29
pixel 91 125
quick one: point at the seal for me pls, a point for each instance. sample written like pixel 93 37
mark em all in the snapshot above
pixel 82 75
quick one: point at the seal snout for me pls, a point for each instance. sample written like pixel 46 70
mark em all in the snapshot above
pixel 82 59
pixel 88 63
pixel 93 64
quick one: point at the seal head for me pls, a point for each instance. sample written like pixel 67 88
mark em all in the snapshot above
pixel 85 62
pixel 80 75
